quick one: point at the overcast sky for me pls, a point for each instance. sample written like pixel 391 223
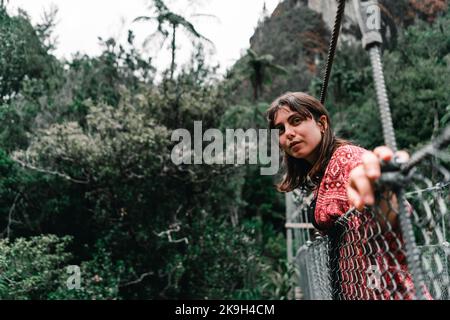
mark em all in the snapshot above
pixel 81 22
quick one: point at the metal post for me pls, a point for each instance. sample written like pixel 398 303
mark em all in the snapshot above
pixel 289 211
pixel 368 14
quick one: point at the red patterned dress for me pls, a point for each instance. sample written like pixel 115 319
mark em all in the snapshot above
pixel 362 253
pixel 332 201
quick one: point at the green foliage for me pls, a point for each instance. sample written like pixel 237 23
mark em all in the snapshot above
pixel 99 279
pixel 101 78
pixel 259 69
pixel 295 37
pixel 31 268
pixel 415 74
pixel 22 54
pixel 13 132
pixel 112 136
pixel 85 156
pixel 115 171
pixel 168 23
pixel 351 98
pixel 230 264
pixel 416 78
pixel 27 72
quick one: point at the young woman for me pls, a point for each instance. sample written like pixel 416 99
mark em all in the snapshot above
pixel 341 175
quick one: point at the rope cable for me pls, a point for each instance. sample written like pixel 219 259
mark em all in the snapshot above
pixel 332 49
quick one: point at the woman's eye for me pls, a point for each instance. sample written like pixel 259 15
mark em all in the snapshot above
pixel 296 120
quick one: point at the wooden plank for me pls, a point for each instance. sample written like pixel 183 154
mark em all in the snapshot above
pixel 292 225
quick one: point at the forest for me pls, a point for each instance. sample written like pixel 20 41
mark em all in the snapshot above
pixel 86 177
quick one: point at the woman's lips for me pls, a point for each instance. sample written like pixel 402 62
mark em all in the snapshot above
pixel 294 145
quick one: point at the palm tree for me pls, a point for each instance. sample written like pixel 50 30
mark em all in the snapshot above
pixel 259 69
pixel 2 4
pixel 168 22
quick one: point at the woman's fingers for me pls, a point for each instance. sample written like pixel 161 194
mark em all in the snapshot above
pixel 354 198
pixel 360 183
pixel 360 189
pixel 371 164
pixel 386 154
pixel 402 156
pixel 383 153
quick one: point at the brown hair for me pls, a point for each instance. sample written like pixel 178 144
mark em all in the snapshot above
pixel 298 170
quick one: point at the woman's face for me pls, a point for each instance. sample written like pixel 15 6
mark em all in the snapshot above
pixel 298 137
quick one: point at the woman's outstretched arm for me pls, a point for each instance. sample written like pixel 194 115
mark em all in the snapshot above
pixel 360 189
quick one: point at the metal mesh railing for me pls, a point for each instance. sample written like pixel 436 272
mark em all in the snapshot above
pixel 397 250
pixel 315 277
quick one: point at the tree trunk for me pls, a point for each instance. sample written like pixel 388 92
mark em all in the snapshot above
pixel 172 65
pixel 255 92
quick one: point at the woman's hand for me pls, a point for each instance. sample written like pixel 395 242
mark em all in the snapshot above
pixel 360 189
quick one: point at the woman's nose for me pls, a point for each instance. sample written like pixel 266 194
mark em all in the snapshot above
pixel 290 132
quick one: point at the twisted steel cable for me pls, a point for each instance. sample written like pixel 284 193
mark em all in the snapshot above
pixel 410 246
pixel 332 49
pixel 439 143
pixel 412 252
pixel 383 102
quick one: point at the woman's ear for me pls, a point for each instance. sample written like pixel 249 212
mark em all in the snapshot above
pixel 323 123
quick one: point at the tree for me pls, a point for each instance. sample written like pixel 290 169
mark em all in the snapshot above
pixel 296 37
pixel 169 21
pixel 96 167
pixel 415 73
pixel 429 10
pixel 259 69
pixel 32 268
pixel 22 54
pixel 2 4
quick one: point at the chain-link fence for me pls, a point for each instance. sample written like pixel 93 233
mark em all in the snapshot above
pixel 398 249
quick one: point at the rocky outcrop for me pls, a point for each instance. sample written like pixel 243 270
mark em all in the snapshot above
pixel 328 8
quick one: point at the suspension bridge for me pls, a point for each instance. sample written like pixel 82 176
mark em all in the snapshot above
pixel 365 256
